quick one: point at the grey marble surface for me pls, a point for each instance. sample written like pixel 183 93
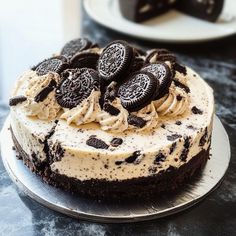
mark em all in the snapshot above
pixel 216 215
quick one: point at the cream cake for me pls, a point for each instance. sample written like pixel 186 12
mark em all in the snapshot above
pixel 113 122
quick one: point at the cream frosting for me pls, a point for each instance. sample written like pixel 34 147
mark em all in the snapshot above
pixel 84 162
pixel 48 108
pixel 149 114
pixel 86 112
pixel 114 123
pixel 175 103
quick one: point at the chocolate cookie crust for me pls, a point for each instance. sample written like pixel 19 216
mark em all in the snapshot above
pixel 142 188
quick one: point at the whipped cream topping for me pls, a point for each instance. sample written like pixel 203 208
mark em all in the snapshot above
pixel 84 162
pixel 86 112
pixel 48 108
pixel 148 114
pixel 114 123
pixel 175 103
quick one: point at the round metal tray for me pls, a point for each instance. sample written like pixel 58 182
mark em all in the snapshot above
pixel 93 210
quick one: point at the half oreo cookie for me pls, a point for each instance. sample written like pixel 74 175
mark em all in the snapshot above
pixel 53 64
pixel 84 59
pixel 159 55
pixel 77 85
pixel 138 91
pixel 115 61
pixel 74 46
pixel 163 74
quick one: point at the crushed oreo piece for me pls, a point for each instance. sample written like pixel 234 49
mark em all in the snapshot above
pixel 97 143
pixel 173 147
pixel 115 142
pixel 163 126
pixel 185 151
pixel 178 122
pixel 136 121
pixel 16 100
pixel 191 127
pixel 173 137
pixel 160 55
pixel 203 138
pixel 179 97
pixel 133 158
pixel 196 111
pixel 111 109
pixel 45 91
pixel 110 92
pixel 180 85
pixel 160 157
pixel 56 152
pixel 118 163
pixel 152 169
pixel 181 69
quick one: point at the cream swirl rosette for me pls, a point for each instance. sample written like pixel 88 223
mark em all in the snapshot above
pixel 114 123
pixel 174 103
pixel 86 112
pixel 149 115
pixel 40 95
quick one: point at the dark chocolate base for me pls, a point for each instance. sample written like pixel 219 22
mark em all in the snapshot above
pixel 143 187
pixel 205 10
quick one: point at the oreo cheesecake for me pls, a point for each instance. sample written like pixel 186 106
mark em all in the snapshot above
pixel 113 122
pixel 141 10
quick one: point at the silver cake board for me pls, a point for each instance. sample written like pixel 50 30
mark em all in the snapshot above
pixel 113 212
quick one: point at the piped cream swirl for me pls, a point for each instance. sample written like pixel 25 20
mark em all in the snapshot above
pixel 174 103
pixel 149 114
pixel 48 108
pixel 86 112
pixel 114 123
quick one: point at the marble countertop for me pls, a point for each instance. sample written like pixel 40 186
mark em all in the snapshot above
pixel 216 215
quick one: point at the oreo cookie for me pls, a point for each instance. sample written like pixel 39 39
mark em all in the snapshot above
pixel 137 64
pixel 115 61
pixel 159 55
pixel 97 143
pixel 76 85
pixel 53 64
pixel 74 46
pixel 16 100
pixel 136 121
pixel 42 95
pixel 84 59
pixel 138 91
pixel 163 74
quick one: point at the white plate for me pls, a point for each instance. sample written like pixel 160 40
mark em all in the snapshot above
pixel 88 209
pixel 170 27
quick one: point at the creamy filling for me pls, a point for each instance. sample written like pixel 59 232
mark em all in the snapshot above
pixel 86 112
pixel 114 123
pixel 175 103
pixel 84 162
pixel 48 108
pixel 148 114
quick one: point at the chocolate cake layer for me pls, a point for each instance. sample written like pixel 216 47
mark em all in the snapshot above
pixel 143 187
